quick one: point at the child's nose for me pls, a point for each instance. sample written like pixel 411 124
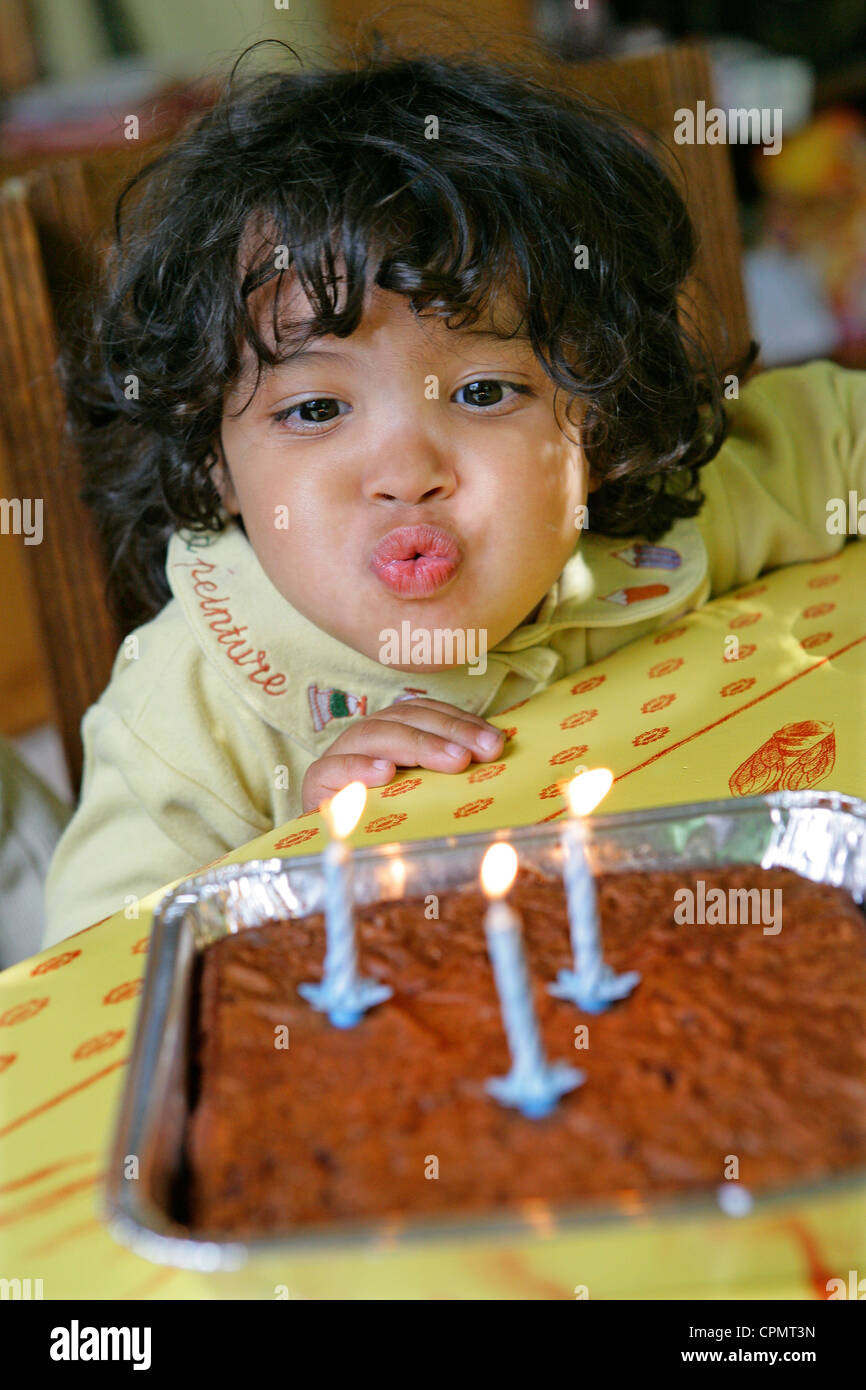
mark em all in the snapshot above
pixel 402 478
pixel 411 495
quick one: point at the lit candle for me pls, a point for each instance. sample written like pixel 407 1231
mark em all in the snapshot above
pixel 343 994
pixel 532 1085
pixel 396 872
pixel 592 984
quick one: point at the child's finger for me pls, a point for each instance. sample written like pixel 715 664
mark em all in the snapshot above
pixel 422 701
pixel 329 774
pixel 405 744
pixel 451 724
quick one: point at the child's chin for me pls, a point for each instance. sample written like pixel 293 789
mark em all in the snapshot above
pixel 429 644
pixel 418 670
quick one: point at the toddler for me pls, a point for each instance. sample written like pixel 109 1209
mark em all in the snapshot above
pixel 388 422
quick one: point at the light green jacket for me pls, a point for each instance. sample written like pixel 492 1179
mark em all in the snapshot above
pixel 217 707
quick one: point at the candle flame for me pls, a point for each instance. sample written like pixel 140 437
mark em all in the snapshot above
pixel 345 809
pixel 585 791
pixel 498 868
pixel 397 871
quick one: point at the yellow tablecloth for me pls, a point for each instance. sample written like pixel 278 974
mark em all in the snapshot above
pixel 685 715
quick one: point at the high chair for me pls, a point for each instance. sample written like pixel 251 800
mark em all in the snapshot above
pixel 53 223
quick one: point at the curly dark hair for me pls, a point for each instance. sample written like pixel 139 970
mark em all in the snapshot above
pixel 336 164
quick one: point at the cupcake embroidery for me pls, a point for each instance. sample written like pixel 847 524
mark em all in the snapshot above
pixel 329 704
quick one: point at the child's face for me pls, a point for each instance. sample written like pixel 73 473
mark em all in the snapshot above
pixel 394 439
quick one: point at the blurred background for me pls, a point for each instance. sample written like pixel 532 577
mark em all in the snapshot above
pixel 73 71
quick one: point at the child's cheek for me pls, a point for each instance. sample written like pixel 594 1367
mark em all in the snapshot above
pixel 563 491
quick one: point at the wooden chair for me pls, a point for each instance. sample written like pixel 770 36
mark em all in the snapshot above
pixel 649 89
pixel 49 238
pixel 49 244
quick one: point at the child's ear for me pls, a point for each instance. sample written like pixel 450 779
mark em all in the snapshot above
pixel 222 481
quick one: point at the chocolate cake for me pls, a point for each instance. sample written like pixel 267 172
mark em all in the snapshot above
pixel 738 1041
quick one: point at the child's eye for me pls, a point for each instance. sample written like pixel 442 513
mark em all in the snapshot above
pixel 488 391
pixel 305 416
pixel 319 410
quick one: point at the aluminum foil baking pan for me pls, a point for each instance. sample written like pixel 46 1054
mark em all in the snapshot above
pixel 821 835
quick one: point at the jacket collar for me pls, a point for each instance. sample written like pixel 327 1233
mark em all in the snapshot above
pixel 304 683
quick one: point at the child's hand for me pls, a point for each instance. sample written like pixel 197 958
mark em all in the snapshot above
pixel 412 733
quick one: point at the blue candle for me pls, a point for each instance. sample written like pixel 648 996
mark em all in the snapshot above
pixel 533 1085
pixel 344 995
pixel 591 984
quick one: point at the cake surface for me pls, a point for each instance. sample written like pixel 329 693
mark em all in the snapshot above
pixel 735 1043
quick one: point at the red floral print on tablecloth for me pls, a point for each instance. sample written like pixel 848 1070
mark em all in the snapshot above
pixel 128 990
pixel 472 808
pixel 659 702
pixel 582 716
pixel 665 668
pixel 98 1043
pixel 650 736
pixel 753 592
pixel 817 610
pixel 398 788
pixel 745 619
pixel 738 687
pixel 297 837
pixel 590 683
pixel 483 774
pixel 6 1059
pixel 668 634
pixel 793 758
pixel 816 639
pixel 569 755
pixel 822 581
pixel 54 962
pixel 20 1013
pixel 510 732
pixel 386 822
pixel 141 946
pixel 746 650
pixel 554 789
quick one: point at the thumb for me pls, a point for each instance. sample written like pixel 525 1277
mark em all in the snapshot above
pixel 328 775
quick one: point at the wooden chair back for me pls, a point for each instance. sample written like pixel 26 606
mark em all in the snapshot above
pixel 52 226
pixel 50 239
pixel 649 89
